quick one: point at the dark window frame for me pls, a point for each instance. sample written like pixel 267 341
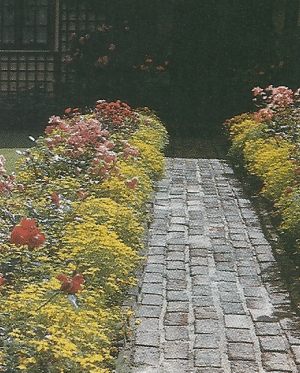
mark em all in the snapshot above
pixel 18 13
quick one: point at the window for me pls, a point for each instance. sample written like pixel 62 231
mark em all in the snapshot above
pixel 26 24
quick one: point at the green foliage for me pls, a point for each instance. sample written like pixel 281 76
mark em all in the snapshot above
pixel 84 186
pixel 267 146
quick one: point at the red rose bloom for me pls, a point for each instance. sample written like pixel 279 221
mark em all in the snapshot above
pixel 71 286
pixel 27 234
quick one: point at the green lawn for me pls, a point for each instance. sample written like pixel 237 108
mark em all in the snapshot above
pixel 12 141
pixel 11 157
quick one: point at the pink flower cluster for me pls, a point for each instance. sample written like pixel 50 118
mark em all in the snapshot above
pixel 132 183
pixel 129 150
pixel 274 99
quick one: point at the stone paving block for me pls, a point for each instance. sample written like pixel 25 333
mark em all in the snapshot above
pixel 148 311
pixel 267 257
pixel 147 324
pixel 250 281
pixel 223 249
pixel 248 271
pixel 174 255
pixel 290 323
pixel 296 352
pixel 203 301
pixel 176 350
pixel 273 343
pixel 293 337
pixel 276 361
pixel 176 333
pixel 179 220
pixel 175 365
pixel 244 367
pixel 176 238
pixel 227 287
pixel 176 306
pixel 176 318
pixel 147 338
pixel 199 270
pixel 173 284
pixel 223 257
pixel 175 274
pixel 207 370
pixel 201 290
pixel 196 231
pixel 156 250
pixel 232 308
pixel 177 296
pixel 175 265
pixel 199 242
pixel 267 328
pixel 152 288
pixel 152 299
pixel 198 261
pixel 230 297
pixel 219 242
pixel 206 326
pixel 225 266
pixel 146 355
pixel 155 259
pixel 205 313
pixel 254 291
pixel 158 240
pixel 241 351
pixel 226 276
pixel 153 277
pixel 206 341
pixel 154 268
pixel 177 248
pixel 238 335
pixel 198 280
pixel 237 321
pixel 207 358
pixel 196 252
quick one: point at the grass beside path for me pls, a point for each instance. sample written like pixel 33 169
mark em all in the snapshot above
pixel 12 141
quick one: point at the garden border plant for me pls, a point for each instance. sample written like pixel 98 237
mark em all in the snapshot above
pixel 266 144
pixel 71 235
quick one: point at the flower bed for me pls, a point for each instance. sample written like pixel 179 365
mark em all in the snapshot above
pixel 267 145
pixel 70 236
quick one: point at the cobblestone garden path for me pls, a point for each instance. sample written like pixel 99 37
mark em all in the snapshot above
pixel 210 298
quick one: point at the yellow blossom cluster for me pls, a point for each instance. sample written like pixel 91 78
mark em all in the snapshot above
pixel 272 155
pixel 92 213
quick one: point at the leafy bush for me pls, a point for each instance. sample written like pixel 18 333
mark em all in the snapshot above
pixel 70 237
pixel 267 145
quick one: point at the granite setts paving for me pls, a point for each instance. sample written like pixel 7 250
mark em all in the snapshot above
pixel 211 299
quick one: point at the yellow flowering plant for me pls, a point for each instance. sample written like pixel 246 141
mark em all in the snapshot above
pixel 266 145
pixel 71 236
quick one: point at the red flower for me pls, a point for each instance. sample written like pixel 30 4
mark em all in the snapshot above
pixel 2 280
pixel 71 286
pixel 27 234
pixel 55 199
pixel 68 110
